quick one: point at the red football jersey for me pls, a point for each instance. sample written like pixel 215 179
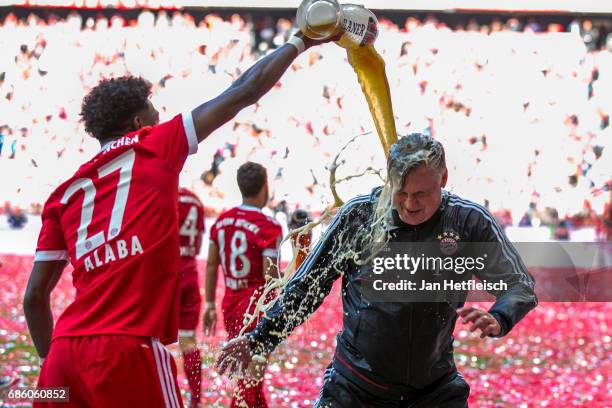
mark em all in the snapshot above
pixel 116 221
pixel 243 236
pixel 191 224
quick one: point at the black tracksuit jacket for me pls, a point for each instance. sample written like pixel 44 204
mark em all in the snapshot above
pixel 395 348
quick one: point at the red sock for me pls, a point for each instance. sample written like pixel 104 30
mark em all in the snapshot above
pixel 193 371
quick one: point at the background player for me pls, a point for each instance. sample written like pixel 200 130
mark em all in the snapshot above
pixel 116 222
pixel 244 241
pixel 191 228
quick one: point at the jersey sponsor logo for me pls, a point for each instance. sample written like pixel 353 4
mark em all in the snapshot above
pixel 122 141
pixel 113 251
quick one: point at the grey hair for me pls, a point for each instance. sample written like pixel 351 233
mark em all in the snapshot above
pixel 410 152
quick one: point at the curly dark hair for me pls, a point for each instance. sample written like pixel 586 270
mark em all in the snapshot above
pixel 251 178
pixel 112 102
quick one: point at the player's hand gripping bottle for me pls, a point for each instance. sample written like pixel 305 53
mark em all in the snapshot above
pixel 321 19
pixel 358 28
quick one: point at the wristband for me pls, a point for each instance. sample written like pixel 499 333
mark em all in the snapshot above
pixel 210 305
pixel 298 43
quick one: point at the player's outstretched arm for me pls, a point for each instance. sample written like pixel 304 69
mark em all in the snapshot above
pixel 36 302
pixel 247 89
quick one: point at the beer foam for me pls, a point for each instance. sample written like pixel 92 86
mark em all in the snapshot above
pixel 321 13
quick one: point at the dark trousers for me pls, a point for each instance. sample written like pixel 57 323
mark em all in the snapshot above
pixel 340 392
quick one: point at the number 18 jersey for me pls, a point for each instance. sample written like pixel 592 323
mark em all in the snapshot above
pixel 116 221
pixel 243 236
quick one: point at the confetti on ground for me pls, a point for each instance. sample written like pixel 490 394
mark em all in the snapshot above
pixel 560 355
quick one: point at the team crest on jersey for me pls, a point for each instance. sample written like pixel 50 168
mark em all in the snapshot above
pixel 449 242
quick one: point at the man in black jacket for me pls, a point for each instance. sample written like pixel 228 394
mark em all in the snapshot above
pixel 390 353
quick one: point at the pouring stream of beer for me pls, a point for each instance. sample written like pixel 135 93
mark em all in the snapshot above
pixel 370 69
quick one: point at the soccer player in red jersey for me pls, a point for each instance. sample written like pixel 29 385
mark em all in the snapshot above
pixel 191 228
pixel 116 222
pixel 244 241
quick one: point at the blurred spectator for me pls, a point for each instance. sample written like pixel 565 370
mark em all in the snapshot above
pixel 562 232
pixel 16 217
pixel 525 220
pixel 590 34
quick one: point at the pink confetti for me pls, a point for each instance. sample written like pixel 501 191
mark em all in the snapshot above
pixel 560 355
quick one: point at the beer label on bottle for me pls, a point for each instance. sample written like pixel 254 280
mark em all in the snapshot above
pixel 359 25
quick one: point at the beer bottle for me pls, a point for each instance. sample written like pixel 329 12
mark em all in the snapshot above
pixel 321 19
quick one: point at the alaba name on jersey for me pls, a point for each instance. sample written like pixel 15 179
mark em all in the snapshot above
pixel 243 236
pixel 191 224
pixel 116 221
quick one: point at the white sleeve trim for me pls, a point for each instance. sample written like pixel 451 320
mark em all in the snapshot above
pixel 192 138
pixel 43 256
pixel 272 253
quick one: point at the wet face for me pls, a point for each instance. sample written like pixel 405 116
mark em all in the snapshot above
pixel 419 198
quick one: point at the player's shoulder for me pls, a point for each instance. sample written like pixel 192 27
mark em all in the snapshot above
pixel 272 222
pixel 256 216
pixel 187 196
pixel 80 176
pixel 167 126
pixel 225 215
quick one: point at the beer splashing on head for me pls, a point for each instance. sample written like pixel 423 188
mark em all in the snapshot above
pixel 408 153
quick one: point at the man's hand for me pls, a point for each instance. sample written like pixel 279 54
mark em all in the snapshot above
pixel 486 322
pixel 209 321
pixel 309 42
pixel 37 302
pixel 235 357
